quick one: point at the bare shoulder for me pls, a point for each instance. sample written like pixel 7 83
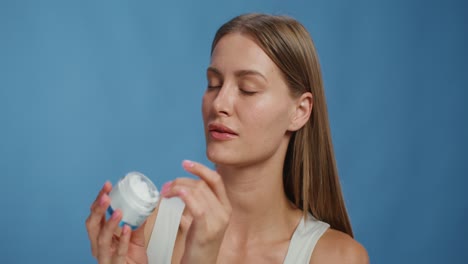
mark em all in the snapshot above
pixel 337 247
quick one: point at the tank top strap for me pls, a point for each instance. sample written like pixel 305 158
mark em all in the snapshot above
pixel 304 239
pixel 163 236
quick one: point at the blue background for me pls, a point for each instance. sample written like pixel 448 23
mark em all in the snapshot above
pixel 90 90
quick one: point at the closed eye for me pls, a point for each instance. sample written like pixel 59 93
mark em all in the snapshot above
pixel 247 92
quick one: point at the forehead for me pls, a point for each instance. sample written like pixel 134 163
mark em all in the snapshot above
pixel 237 51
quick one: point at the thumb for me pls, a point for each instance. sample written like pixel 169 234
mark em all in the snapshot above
pixel 138 235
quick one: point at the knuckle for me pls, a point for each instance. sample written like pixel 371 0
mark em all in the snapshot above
pixel 199 213
pixel 88 223
pixel 101 241
pixel 176 181
pixel 95 209
pixel 122 251
pixel 225 218
pixel 185 223
pixel 205 241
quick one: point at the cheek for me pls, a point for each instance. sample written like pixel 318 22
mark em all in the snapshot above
pixel 271 118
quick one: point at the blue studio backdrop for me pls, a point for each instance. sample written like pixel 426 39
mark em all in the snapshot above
pixel 90 90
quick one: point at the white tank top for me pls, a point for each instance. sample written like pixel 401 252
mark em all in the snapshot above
pixel 163 236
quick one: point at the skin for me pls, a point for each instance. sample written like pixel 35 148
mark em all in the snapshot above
pixel 238 213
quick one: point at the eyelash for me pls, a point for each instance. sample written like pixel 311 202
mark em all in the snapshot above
pixel 247 92
pixel 244 92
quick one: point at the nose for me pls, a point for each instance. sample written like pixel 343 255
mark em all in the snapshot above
pixel 224 100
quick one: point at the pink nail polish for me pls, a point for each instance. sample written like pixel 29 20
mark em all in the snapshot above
pixel 188 164
pixel 115 215
pixel 183 192
pixel 166 187
pixel 125 229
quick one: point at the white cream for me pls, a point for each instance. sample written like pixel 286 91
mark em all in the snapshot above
pixel 142 190
pixel 136 196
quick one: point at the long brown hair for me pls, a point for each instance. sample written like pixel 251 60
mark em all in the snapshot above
pixel 310 176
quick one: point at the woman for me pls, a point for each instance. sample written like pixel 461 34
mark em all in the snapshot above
pixel 275 196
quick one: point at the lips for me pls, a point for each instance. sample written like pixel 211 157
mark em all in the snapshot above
pixel 221 132
pixel 220 128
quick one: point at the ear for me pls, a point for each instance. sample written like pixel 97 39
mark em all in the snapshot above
pixel 301 113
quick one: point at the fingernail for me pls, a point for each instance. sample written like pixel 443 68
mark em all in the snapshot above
pixel 107 185
pixel 125 229
pixel 182 192
pixel 188 164
pixel 115 215
pixel 165 187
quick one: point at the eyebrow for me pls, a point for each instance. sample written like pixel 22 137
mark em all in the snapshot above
pixel 239 73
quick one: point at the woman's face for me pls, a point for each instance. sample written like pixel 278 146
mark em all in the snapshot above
pixel 247 108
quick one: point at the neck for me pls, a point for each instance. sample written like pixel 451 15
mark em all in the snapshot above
pixel 260 208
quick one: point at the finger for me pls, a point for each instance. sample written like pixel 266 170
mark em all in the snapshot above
pixel 138 235
pixel 196 194
pixel 196 204
pixel 122 248
pixel 202 204
pixel 106 188
pixel 200 198
pixel 212 178
pixel 168 190
pixel 96 220
pixel 105 237
pixel 209 215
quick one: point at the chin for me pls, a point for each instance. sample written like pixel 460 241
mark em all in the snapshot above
pixel 221 157
pixel 216 157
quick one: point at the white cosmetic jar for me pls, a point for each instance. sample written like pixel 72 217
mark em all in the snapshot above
pixel 136 196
